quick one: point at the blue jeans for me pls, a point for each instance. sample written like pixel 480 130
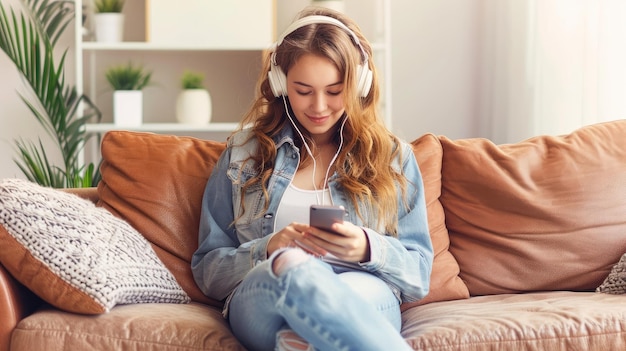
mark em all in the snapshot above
pixel 346 311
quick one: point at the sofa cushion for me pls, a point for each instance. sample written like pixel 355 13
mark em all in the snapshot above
pixel 547 213
pixel 76 256
pixel 156 183
pixel 445 283
pixel 551 321
pixel 163 327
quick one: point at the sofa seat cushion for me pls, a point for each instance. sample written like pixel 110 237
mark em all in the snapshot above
pixel 137 327
pixel 553 321
pixel 544 214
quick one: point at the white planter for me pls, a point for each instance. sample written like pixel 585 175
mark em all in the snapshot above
pixel 128 108
pixel 337 5
pixel 109 27
pixel 193 106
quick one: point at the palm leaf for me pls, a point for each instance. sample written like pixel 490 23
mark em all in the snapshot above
pixel 36 167
pixel 28 40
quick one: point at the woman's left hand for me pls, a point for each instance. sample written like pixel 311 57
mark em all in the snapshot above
pixel 348 243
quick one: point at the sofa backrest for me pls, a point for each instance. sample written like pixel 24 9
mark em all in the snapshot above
pixel 548 213
pixel 544 214
pixel 156 183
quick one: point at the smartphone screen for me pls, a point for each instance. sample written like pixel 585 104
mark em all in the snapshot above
pixel 323 217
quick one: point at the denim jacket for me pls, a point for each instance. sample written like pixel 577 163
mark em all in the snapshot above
pixel 227 252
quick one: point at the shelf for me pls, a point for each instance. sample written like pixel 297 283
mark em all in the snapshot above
pixel 163 127
pixel 146 46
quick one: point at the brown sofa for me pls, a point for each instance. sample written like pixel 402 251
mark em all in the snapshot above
pixel 528 230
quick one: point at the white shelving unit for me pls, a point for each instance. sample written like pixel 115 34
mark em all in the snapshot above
pixel 167 61
pixel 236 65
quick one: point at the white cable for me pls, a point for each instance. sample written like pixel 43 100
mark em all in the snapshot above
pixel 306 146
pixel 336 155
pixel 307 149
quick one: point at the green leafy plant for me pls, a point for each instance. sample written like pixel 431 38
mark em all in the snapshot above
pixel 192 80
pixel 28 39
pixel 107 6
pixel 128 77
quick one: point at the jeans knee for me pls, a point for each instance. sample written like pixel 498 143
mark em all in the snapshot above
pixel 288 259
pixel 375 292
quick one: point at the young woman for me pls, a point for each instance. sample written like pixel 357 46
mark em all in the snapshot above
pixel 314 137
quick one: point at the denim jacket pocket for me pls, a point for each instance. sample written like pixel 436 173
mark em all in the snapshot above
pixel 245 212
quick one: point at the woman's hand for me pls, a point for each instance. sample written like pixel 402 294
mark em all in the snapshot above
pixel 348 243
pixel 294 235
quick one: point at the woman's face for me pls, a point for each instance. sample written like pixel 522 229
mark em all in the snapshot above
pixel 315 90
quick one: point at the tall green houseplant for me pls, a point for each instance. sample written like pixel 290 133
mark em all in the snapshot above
pixel 29 39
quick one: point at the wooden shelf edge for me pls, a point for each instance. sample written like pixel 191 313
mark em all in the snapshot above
pixel 163 127
pixel 146 46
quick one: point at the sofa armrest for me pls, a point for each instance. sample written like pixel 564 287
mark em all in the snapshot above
pixel 16 302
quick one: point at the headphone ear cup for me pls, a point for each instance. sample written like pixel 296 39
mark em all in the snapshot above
pixel 364 80
pixel 278 81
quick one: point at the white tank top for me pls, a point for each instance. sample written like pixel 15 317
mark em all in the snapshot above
pixel 295 204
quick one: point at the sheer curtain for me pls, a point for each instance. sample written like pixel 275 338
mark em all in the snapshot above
pixel 550 66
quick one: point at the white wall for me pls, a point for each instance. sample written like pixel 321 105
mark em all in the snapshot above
pixel 435 67
pixel 433 76
pixel 16 120
pixel 550 66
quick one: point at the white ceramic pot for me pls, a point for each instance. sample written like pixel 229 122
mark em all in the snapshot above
pixel 109 27
pixel 337 5
pixel 128 108
pixel 193 106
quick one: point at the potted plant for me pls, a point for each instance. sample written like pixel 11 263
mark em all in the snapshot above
pixel 193 105
pixel 127 82
pixel 109 20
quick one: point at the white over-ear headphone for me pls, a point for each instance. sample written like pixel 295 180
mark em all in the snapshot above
pixel 278 79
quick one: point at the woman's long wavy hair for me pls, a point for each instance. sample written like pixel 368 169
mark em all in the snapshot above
pixel 364 164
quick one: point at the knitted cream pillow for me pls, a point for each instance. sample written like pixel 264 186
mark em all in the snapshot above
pixel 615 282
pixel 76 256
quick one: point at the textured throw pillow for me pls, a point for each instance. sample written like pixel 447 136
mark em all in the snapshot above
pixel 76 256
pixel 615 282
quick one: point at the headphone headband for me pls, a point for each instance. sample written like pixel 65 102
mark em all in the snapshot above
pixel 314 19
pixel 278 79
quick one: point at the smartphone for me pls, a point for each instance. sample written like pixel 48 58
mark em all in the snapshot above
pixel 323 217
